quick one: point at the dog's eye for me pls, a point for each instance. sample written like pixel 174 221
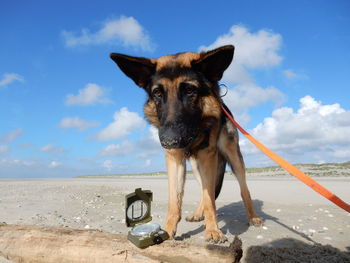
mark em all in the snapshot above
pixel 189 89
pixel 158 93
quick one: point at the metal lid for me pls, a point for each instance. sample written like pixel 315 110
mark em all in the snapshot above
pixel 138 207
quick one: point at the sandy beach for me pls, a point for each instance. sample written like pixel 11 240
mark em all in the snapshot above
pixel 292 213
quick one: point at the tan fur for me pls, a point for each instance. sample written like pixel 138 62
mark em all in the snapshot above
pixel 172 94
pixel 176 167
pixel 173 84
pixel 211 107
pixel 198 214
pixel 207 160
pixel 151 113
pixel 229 146
pixel 182 59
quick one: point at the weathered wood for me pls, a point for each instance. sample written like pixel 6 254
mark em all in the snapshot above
pixel 29 244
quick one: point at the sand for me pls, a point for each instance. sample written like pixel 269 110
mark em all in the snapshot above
pixel 296 218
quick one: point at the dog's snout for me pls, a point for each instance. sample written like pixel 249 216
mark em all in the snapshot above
pixel 170 138
pixel 171 144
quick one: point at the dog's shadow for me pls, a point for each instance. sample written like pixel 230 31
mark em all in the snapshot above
pixel 235 222
pixel 234 218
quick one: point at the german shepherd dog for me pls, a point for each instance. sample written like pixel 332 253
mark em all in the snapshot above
pixel 184 103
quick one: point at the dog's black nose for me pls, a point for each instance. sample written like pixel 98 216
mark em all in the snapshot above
pixel 175 136
pixel 170 138
pixel 171 144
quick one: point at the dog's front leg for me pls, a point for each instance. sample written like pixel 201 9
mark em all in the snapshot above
pixel 176 166
pixel 198 214
pixel 207 160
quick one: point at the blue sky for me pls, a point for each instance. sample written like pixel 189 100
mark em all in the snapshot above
pixel 67 110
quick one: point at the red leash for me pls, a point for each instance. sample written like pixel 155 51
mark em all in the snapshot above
pixel 292 169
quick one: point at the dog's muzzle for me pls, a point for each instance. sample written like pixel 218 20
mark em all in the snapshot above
pixel 171 138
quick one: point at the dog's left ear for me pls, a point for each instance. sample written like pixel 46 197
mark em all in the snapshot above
pixel 213 63
pixel 138 69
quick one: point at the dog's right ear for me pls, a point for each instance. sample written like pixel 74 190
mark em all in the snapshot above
pixel 213 63
pixel 138 69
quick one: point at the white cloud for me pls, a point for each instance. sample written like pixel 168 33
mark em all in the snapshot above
pixel 8 78
pixel 148 163
pixel 313 133
pixel 153 134
pixel 108 165
pixel 34 167
pixel 4 149
pixel 126 147
pixel 77 123
pixel 245 96
pixel 143 148
pixel 16 162
pixel 49 148
pixel 11 136
pixel 125 122
pixel 149 144
pixel 126 31
pixel 25 145
pixel 54 164
pixel 91 94
pixel 252 51
pixel 290 74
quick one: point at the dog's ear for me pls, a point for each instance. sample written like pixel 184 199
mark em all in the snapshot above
pixel 138 69
pixel 213 63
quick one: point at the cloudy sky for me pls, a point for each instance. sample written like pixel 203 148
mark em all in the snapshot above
pixel 67 110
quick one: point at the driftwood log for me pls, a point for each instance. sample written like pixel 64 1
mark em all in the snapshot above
pixel 26 243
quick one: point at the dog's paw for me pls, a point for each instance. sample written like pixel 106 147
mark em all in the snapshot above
pixel 170 227
pixel 256 221
pixel 215 236
pixel 194 218
pixel 171 232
